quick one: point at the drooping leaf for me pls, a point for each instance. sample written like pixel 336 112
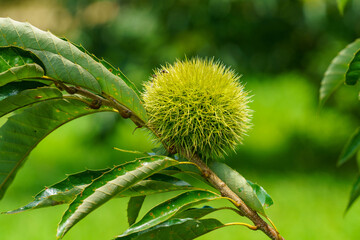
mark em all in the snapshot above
pixel 262 195
pixel 336 73
pixel 67 63
pixel 134 207
pixel 175 229
pixel 23 131
pixel 238 184
pixel 355 193
pixel 110 184
pixel 169 208
pixel 341 5
pixel 63 191
pixel 28 97
pixel 14 88
pixel 17 64
pixel 351 147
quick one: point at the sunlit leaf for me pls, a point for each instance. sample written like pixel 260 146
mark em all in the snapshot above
pixel 110 184
pixel 134 207
pixel 339 69
pixel 63 191
pixel 261 194
pixel 169 208
pixel 238 184
pixel 175 229
pixel 351 147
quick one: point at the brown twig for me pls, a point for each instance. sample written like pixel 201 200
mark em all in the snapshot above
pixel 227 192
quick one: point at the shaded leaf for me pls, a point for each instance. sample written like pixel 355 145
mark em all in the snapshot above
pixel 262 195
pixel 110 184
pixel 353 72
pixel 196 213
pixel 336 73
pixel 14 88
pixel 355 193
pixel 169 208
pixel 27 97
pixel 176 229
pixel 134 207
pixel 67 63
pixel 23 131
pixel 238 184
pixel 351 147
pixel 17 64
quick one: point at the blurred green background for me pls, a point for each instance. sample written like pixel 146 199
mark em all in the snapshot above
pixel 281 48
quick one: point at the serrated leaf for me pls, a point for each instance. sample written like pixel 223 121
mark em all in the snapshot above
pixel 158 183
pixel 238 184
pixel 133 209
pixel 110 184
pixel 351 147
pixel 337 71
pixel 17 64
pixel 262 195
pixel 169 208
pixel 196 213
pixel 27 97
pixel 63 191
pixel 14 88
pixel 176 229
pixel 67 63
pixel 23 131
pixel 355 193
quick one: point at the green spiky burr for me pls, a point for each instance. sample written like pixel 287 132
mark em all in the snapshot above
pixel 199 106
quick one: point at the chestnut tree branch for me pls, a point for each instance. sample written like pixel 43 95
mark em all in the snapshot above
pixel 207 173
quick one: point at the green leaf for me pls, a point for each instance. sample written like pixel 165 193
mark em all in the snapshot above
pixel 238 184
pixel 262 195
pixel 110 184
pixel 28 97
pixel 23 131
pixel 176 229
pixel 169 208
pixel 17 64
pixel 353 72
pixel 67 63
pixel 341 5
pixel 133 209
pixel 351 147
pixel 63 191
pixel 338 70
pixel 14 88
pixel 157 183
pixel 196 213
pixel 355 193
